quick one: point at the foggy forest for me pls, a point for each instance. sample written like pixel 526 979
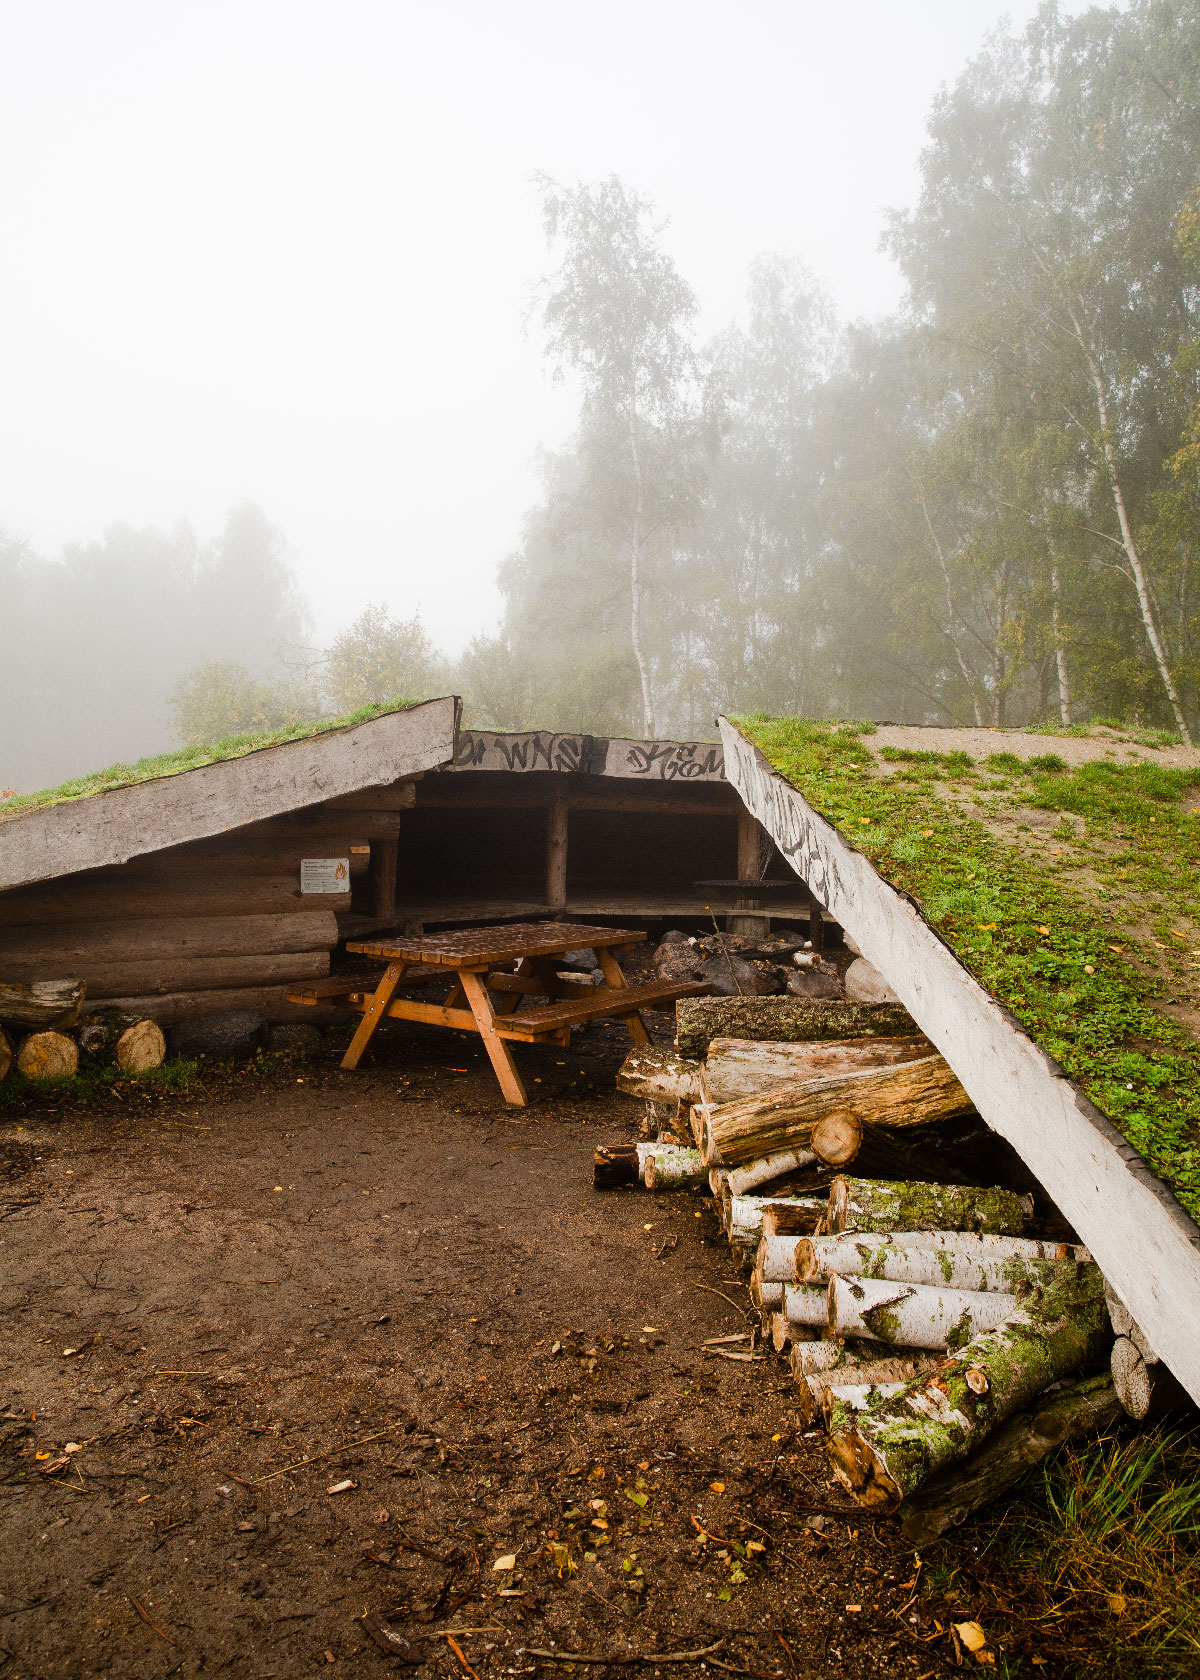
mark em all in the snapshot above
pixel 979 510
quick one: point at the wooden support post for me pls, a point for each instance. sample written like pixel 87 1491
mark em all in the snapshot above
pixel 612 973
pixel 381 877
pixel 499 1054
pixel 375 1013
pixel 816 923
pixel 556 852
pixel 749 846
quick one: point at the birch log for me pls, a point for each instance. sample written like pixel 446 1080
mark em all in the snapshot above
pixel 782 1219
pixel 669 1166
pixel 782 1020
pixel 767 1297
pixel 806 1304
pixel 889 1451
pixel 48 1055
pixel 746 1214
pixel 910 1315
pixel 783 1117
pixel 961 1260
pixel 741 1067
pixel 810 1358
pixel 776 1260
pixel 741 1180
pixel 1086 1408
pixel 7 1054
pixel 838 1403
pixel 863 1204
pixel 659 1076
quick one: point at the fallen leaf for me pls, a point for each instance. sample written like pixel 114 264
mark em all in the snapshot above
pixel 1089 968
pixel 508 1561
pixel 1116 1603
pixel 717 1487
pixel 971 1634
pixel 1043 930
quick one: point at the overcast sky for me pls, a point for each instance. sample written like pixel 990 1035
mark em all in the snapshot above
pixel 283 250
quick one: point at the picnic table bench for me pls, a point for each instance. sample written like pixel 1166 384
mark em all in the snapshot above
pixel 514 962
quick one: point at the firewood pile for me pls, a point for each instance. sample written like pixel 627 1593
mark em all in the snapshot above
pixel 43 1037
pixel 944 1337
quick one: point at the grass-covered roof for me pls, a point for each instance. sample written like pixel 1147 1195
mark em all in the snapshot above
pixel 1065 875
pixel 187 758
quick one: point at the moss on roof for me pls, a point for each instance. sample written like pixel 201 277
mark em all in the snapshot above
pixel 187 758
pixel 1071 893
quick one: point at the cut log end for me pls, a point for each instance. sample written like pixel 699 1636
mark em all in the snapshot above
pixel 837 1139
pixel 48 1055
pixel 7 1054
pixel 141 1048
pixel 612 1168
pixel 861 1471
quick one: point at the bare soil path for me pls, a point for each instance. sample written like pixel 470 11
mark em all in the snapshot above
pixel 393 1276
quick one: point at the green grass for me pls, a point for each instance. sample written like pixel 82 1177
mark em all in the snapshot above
pixel 1083 928
pixel 187 758
pixel 94 1081
pixel 1097 1557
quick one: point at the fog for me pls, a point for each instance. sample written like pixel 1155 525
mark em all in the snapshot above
pixel 277 264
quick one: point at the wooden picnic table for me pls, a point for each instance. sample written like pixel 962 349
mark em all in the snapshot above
pixel 514 962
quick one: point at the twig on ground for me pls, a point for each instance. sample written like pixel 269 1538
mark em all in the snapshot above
pixel 709 1290
pixel 458 1652
pixel 316 1458
pixel 153 1628
pixel 652 1657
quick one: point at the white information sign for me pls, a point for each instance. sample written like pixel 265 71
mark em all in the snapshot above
pixel 324 875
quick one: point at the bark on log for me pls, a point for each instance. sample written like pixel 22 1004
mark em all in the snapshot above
pixel 1143 1384
pixel 169 1009
pixel 1086 1408
pixel 742 1180
pixel 740 1067
pixel 667 1166
pixel 863 1204
pixel 959 1260
pixel 779 1219
pixel 782 1020
pixel 48 1055
pixel 612 1168
pixel 7 1054
pixel 837 1405
pixel 123 1041
pixel 807 1304
pixel 911 1315
pixel 83 946
pixel 767 1297
pixel 896 1446
pixel 219 892
pixel 659 1076
pixel 810 1358
pixel 911 1093
pixel 41 1003
pixel 184 974
pixel 746 1214
pixel 776 1260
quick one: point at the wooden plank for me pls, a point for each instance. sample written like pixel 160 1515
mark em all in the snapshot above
pixel 198 974
pixel 396 796
pixel 486 947
pixel 499 1054
pixel 542 749
pixel 100 897
pixel 232 856
pixel 605 1001
pixel 129 822
pixel 1145 1244
pixel 617 982
pixel 80 946
pixel 556 853
pixel 375 1008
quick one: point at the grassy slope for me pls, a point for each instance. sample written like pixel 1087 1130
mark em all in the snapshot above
pixel 1073 896
pixel 187 758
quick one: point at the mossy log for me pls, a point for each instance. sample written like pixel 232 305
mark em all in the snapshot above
pixel 8 1054
pixel 48 1055
pixel 864 1204
pixel 659 1076
pixel 1086 1408
pixel 836 1404
pixel 124 1041
pixel 782 1020
pixel 961 1260
pixel 41 1003
pixel 669 1166
pixel 890 1450
pixel 784 1117
pixel 740 1067
pixel 910 1314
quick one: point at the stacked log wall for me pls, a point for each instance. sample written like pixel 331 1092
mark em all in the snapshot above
pixel 214 924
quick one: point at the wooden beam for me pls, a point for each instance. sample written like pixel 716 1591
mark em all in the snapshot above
pixel 1145 1244
pixel 556 852
pixel 381 878
pixel 705 799
pixel 129 822
pixel 96 897
pixel 78 947
pixel 749 846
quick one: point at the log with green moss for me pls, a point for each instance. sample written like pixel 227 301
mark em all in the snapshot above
pixel 669 1166
pixel 892 1449
pixel 782 1020
pixel 1085 1409
pixel 958 1260
pixel 658 1075
pixel 868 1204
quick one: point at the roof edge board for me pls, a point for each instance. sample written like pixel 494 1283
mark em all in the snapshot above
pixel 1145 1243
pixel 122 823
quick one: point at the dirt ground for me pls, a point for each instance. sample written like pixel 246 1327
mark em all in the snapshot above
pixel 288 1363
